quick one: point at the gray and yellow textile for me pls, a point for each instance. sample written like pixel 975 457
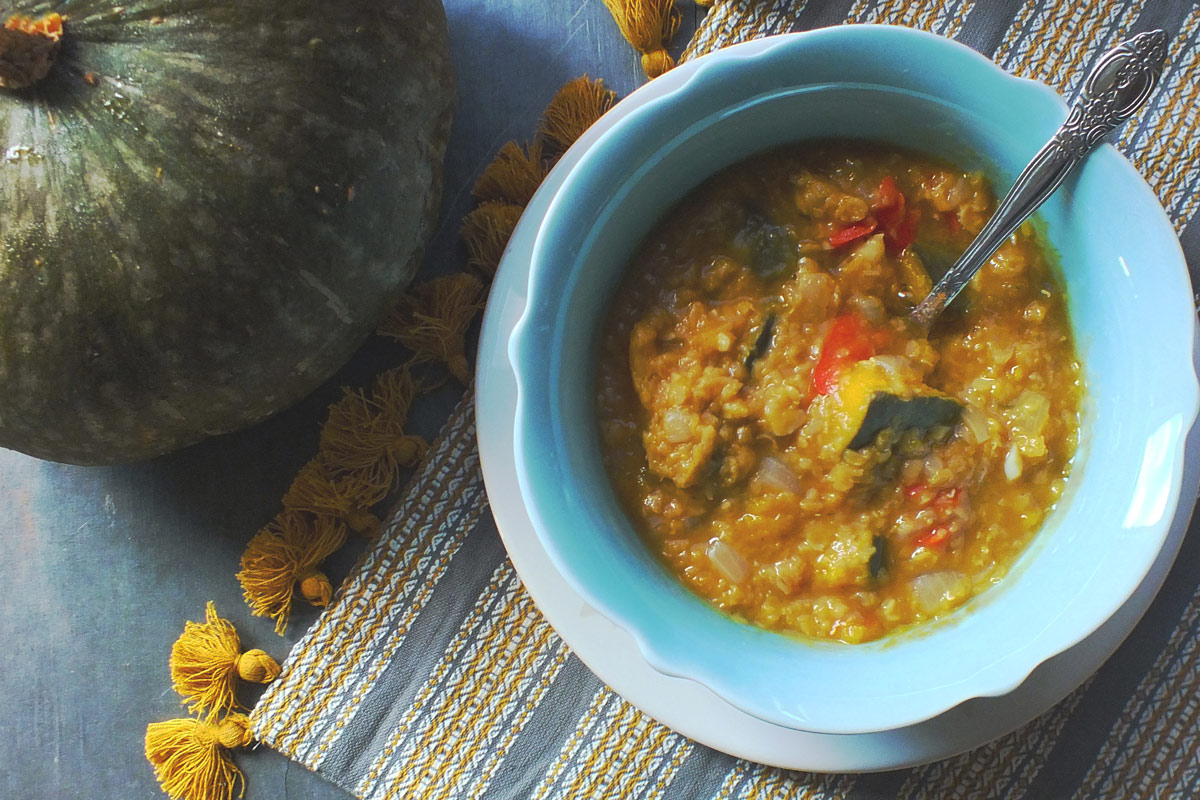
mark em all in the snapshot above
pixel 433 675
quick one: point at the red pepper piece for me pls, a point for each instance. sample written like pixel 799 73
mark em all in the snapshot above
pixel 903 234
pixel 952 221
pixel 948 498
pixel 891 206
pixel 849 340
pixel 889 194
pixel 851 232
pixel 898 222
pixel 934 537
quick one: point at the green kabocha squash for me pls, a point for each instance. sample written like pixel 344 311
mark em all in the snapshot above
pixel 205 207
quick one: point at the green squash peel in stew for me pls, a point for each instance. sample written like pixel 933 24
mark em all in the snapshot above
pixel 786 442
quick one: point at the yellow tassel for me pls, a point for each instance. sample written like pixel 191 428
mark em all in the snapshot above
pixel 514 174
pixel 257 666
pixel 703 3
pixel 346 497
pixel 432 320
pixel 510 181
pixel 283 557
pixel 191 757
pixel 574 109
pixel 486 232
pixel 207 661
pixel 364 436
pixel 648 25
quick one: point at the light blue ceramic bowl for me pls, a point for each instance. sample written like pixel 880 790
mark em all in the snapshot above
pixel 1130 304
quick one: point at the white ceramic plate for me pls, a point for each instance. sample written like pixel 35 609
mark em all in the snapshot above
pixel 686 706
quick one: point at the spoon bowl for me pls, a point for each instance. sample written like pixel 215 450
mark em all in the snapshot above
pixel 1120 82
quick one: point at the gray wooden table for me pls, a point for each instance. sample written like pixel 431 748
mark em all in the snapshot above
pixel 102 566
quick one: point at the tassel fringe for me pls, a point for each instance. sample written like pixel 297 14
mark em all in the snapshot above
pixel 510 181
pixel 282 558
pixel 432 320
pixel 513 175
pixel 345 497
pixel 649 26
pixel 486 232
pixel 191 757
pixel 207 661
pixel 574 109
pixel 363 437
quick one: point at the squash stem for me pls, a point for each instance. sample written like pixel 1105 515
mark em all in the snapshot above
pixel 28 48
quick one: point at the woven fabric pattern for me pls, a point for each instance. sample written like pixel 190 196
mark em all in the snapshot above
pixel 433 675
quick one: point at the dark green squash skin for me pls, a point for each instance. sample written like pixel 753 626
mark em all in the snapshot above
pixel 207 233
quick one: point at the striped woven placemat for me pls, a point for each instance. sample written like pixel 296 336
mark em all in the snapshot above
pixel 433 674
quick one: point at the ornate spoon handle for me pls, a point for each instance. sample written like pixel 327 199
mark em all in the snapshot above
pixel 1116 88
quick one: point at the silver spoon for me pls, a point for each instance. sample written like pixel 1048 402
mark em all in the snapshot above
pixel 1115 89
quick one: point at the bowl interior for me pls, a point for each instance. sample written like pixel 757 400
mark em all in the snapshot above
pixel 1127 291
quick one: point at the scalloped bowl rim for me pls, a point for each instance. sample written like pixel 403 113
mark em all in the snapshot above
pixel 836 710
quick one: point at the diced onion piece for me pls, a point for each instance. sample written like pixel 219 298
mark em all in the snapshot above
pixel 1001 349
pixel 908 525
pixel 678 425
pixel 873 250
pixel 729 562
pixel 897 367
pixel 1013 464
pixel 775 474
pixel 933 465
pixel 870 308
pixel 811 293
pixel 959 193
pixel 976 424
pixel 913 274
pixel 939 591
pixel 1030 413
